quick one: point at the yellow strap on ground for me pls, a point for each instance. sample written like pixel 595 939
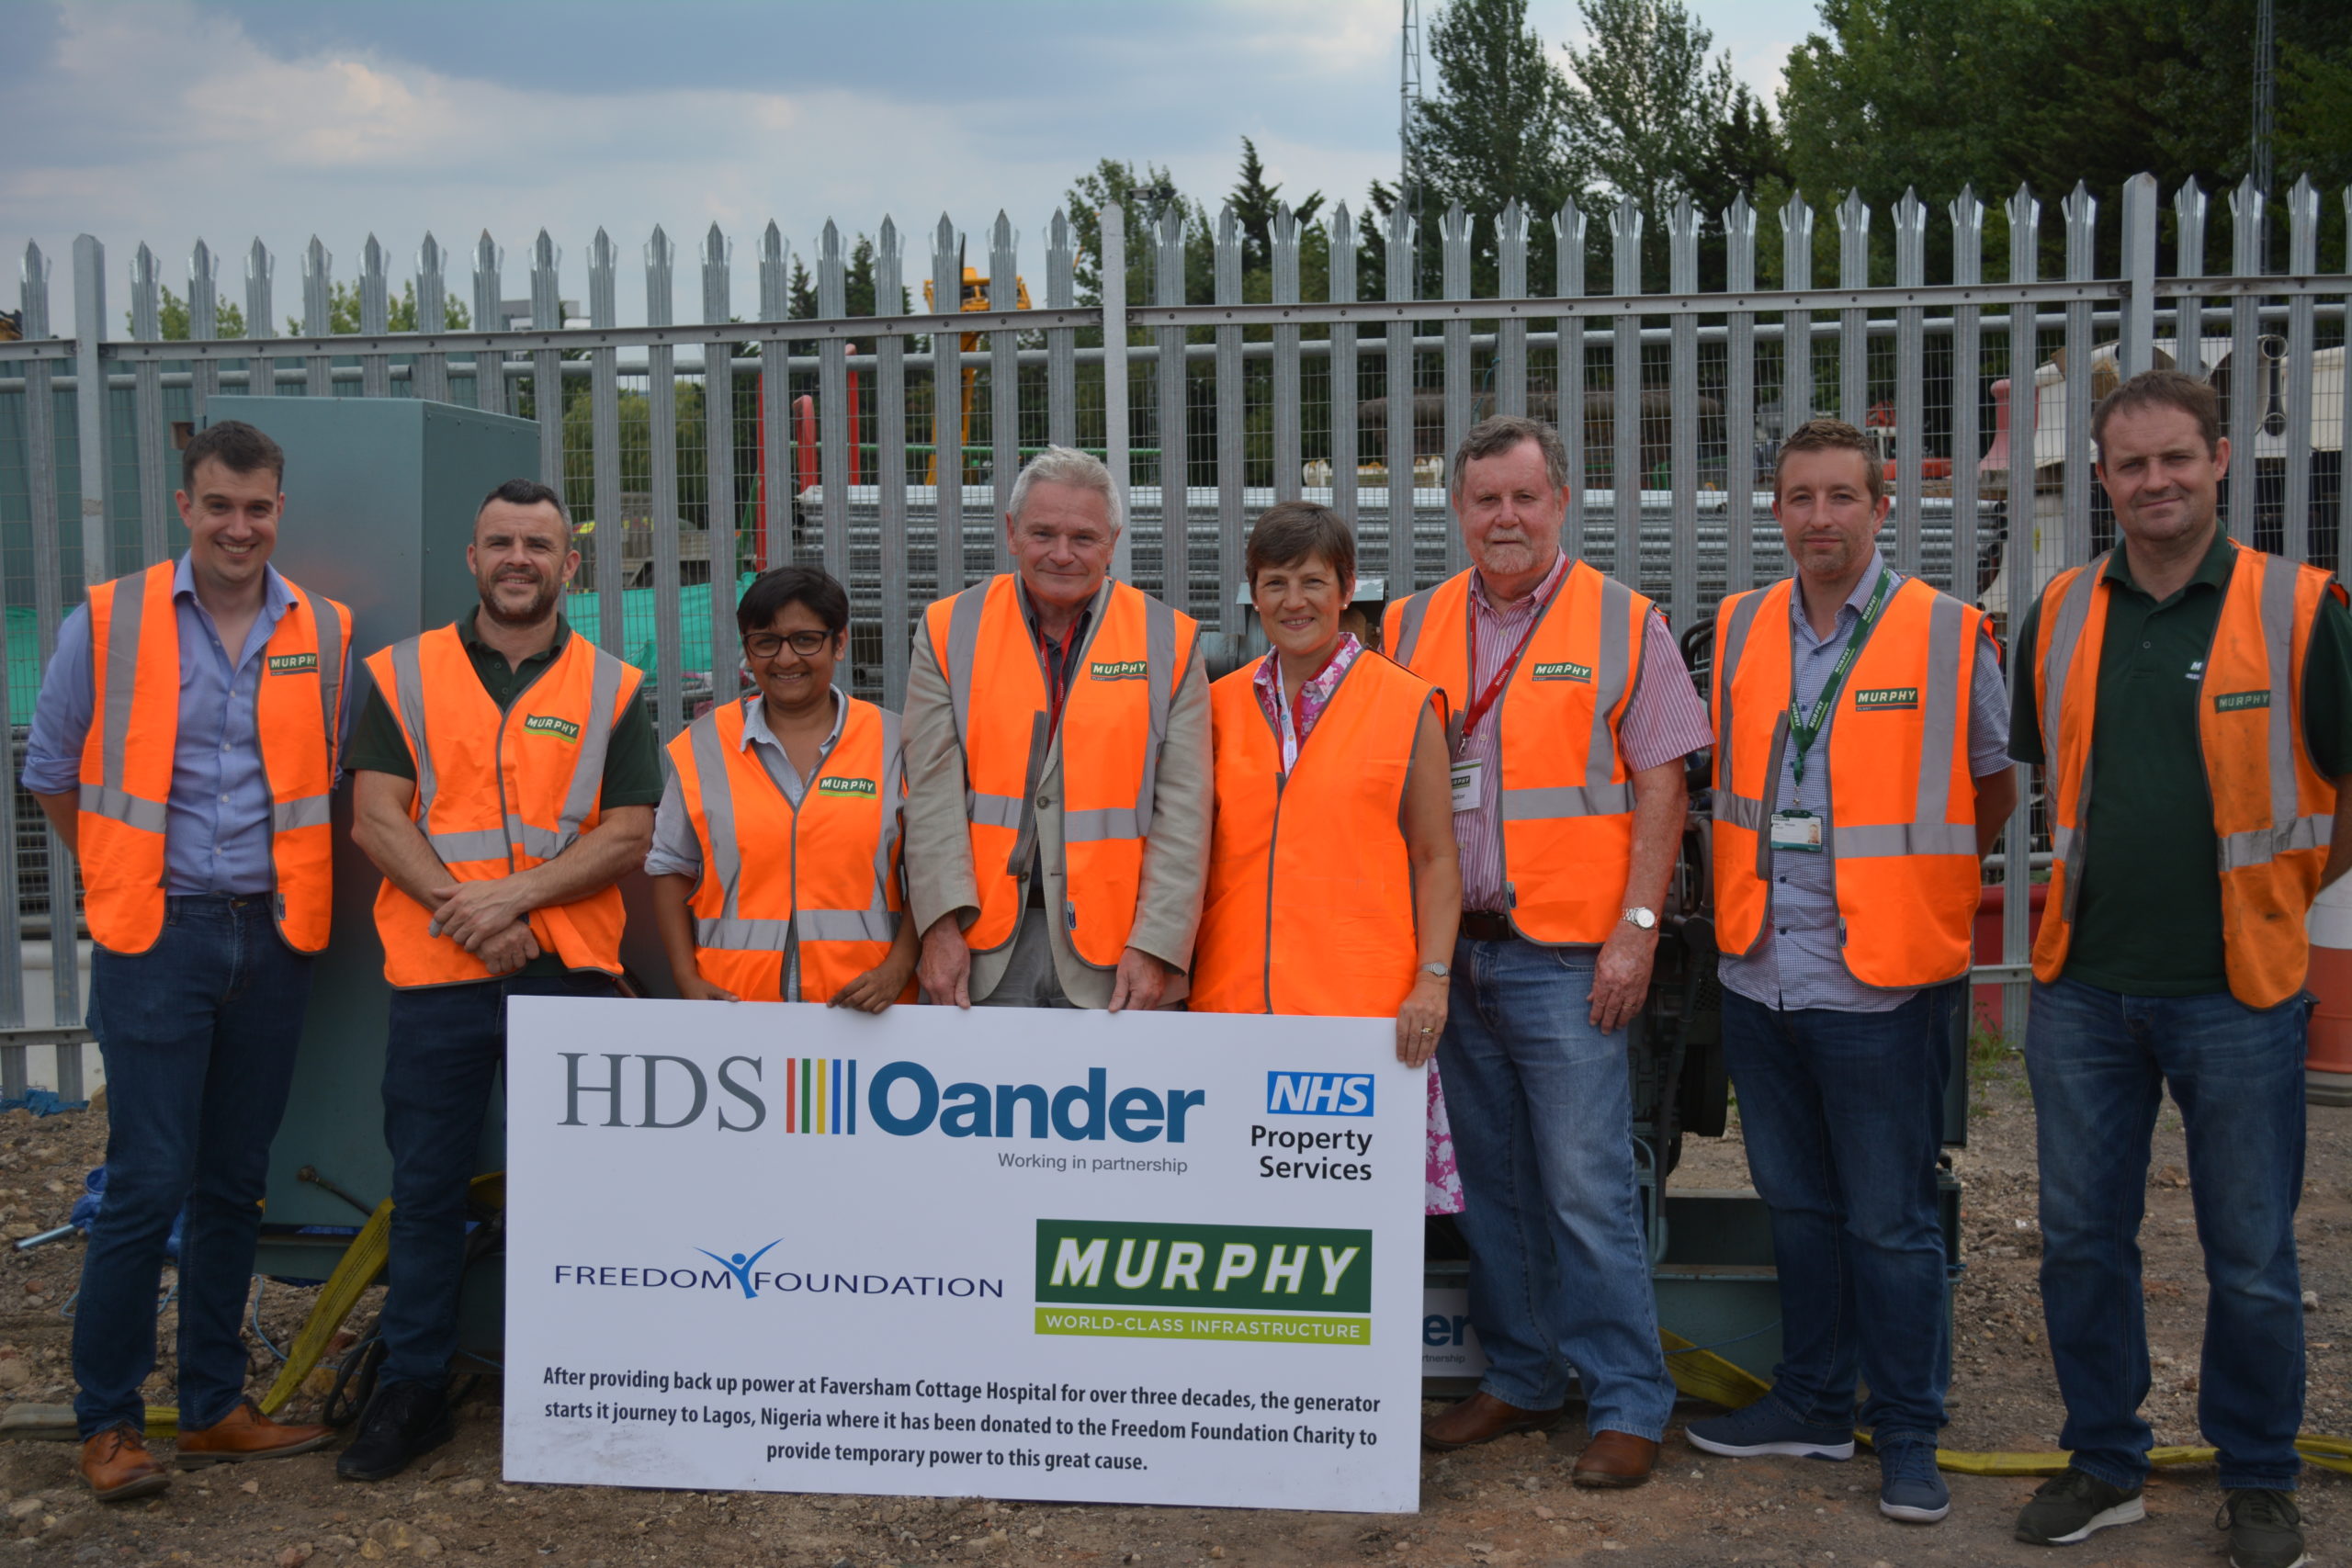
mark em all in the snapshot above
pixel 361 1266
pixel 1703 1374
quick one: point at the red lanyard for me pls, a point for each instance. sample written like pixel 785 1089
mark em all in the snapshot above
pixel 1487 698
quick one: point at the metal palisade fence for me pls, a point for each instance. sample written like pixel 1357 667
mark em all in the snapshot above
pixel 883 444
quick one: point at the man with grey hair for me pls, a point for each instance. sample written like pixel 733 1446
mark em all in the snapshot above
pixel 1573 714
pixel 1059 782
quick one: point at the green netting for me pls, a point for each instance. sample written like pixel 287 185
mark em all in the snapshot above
pixel 638 643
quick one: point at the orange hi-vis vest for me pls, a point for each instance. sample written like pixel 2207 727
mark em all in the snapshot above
pixel 2272 809
pixel 1566 799
pixel 825 875
pixel 1112 722
pixel 1901 830
pixel 1309 906
pixel 500 792
pixel 134 729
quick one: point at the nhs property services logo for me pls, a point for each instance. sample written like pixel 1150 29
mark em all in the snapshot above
pixel 1318 1094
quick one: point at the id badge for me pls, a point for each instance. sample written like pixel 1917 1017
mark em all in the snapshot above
pixel 1469 784
pixel 1796 831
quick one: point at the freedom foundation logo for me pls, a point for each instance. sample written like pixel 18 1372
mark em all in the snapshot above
pixel 741 1266
pixel 1318 1094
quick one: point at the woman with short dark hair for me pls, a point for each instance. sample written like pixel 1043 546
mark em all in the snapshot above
pixel 775 849
pixel 1333 884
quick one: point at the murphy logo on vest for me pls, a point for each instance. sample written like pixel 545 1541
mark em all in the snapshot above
pixel 288 664
pixel 1120 670
pixel 1888 697
pixel 1564 670
pixel 845 786
pixel 2232 701
pixel 548 724
pixel 1318 1094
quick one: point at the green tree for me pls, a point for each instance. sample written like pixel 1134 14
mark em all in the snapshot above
pixel 1255 203
pixel 342 311
pixel 1496 131
pixel 1646 100
pixel 228 319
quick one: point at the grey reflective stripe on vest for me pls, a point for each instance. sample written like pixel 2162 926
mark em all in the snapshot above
pixel 1940 708
pixel 1882 838
pixel 1613 673
pixel 1730 806
pixel 892 783
pixel 331 631
pixel 717 792
pixel 993 810
pixel 2288 831
pixel 1104 824
pixel 1566 800
pixel 588 762
pixel 1159 657
pixel 309 811
pixel 2065 635
pixel 407 675
pixel 1408 626
pixel 964 612
pixel 105 800
pixel 110 798
pixel 481 843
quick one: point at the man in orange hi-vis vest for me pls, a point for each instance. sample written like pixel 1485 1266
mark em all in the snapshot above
pixel 1058 787
pixel 1573 712
pixel 506 779
pixel 1861 766
pixel 185 749
pixel 2188 701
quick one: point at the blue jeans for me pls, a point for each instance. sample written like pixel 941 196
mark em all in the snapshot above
pixel 1843 1114
pixel 199 1034
pixel 2100 1063
pixel 1542 1132
pixel 442 1055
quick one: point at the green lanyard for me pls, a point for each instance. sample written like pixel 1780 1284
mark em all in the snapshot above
pixel 1804 728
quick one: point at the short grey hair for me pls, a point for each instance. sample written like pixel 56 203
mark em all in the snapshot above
pixel 1066 466
pixel 1503 432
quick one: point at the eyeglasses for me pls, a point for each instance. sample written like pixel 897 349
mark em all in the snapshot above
pixel 767 645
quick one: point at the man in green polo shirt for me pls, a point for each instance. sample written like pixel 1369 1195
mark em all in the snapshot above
pixel 2186 699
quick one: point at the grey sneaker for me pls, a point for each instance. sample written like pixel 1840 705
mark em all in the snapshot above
pixel 2265 1529
pixel 2072 1505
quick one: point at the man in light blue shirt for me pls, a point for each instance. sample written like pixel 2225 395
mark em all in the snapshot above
pixel 1840 1080
pixel 202 965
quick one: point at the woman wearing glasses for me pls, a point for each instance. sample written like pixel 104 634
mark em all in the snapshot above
pixel 775 848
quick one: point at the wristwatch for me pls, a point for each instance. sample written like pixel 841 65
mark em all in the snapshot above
pixel 1440 970
pixel 1645 919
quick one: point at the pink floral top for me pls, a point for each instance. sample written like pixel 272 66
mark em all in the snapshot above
pixel 1295 720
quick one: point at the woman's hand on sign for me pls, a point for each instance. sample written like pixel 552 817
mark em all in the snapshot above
pixel 1420 1021
pixel 878 987
pixel 695 989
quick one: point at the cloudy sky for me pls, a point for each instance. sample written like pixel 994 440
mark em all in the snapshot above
pixel 227 119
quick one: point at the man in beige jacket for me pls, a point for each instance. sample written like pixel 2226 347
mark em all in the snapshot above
pixel 1059 783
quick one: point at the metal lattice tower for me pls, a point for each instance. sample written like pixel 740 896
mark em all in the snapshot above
pixel 1409 112
pixel 2265 53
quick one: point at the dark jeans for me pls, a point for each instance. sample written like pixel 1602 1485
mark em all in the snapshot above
pixel 1843 1115
pixel 442 1055
pixel 199 1034
pixel 2100 1063
pixel 1543 1130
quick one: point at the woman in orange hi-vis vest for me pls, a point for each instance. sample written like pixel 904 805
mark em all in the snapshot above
pixel 1333 884
pixel 775 849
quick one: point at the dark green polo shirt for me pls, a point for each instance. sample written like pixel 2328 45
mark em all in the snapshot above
pixel 632 762
pixel 2148 919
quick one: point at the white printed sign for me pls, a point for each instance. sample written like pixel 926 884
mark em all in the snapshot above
pixel 1155 1258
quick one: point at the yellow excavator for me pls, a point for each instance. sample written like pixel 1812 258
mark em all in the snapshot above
pixel 974 293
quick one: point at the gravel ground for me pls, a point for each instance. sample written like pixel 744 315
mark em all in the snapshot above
pixel 1508 1503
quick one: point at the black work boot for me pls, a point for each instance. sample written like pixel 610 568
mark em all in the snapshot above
pixel 405 1421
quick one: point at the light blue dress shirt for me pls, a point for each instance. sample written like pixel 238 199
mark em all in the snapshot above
pixel 217 818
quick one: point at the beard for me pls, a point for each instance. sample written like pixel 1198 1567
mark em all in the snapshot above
pixel 550 588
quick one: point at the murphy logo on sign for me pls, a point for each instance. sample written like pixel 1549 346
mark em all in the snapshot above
pixel 548 724
pixel 1564 670
pixel 288 664
pixel 1318 1094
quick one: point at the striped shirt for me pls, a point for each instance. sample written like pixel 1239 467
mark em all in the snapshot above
pixel 1664 720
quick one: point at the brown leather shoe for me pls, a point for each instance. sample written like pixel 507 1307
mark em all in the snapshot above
pixel 246 1434
pixel 1614 1458
pixel 1481 1418
pixel 117 1466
